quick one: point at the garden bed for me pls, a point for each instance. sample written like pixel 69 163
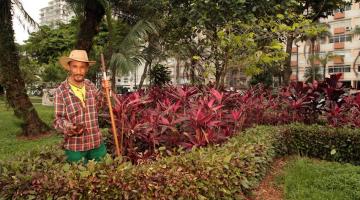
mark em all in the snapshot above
pixel 227 171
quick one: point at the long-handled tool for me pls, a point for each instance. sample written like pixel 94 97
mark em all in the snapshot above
pixel 107 93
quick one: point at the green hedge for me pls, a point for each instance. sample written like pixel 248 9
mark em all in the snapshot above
pixel 327 143
pixel 229 171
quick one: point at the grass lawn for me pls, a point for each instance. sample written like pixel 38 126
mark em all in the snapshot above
pixel 10 129
pixel 305 178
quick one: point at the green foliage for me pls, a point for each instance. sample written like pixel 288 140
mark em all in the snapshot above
pixel 127 51
pixel 45 46
pixel 264 78
pixel 334 144
pixel 48 44
pixel 227 172
pixel 313 179
pixel 30 70
pixel 159 75
pixel 310 71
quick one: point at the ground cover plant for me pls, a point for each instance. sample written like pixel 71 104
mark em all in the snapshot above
pixel 10 128
pixel 304 178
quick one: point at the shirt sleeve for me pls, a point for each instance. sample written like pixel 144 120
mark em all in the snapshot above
pixel 60 122
pixel 101 99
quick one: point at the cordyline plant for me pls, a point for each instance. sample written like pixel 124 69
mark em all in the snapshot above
pixel 174 116
pixel 187 116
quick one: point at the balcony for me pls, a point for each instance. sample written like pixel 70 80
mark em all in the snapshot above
pixel 338 60
pixel 339 15
pixel 339 30
pixel 339 45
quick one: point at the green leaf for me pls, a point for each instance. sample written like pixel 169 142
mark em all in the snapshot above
pixel 333 151
pixel 228 158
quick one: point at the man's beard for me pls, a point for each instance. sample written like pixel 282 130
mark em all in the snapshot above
pixel 78 78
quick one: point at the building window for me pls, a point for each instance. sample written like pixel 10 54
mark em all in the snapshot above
pixel 340 38
pixel 119 80
pixel 126 79
pixel 345 8
pixel 339 69
pixel 358 68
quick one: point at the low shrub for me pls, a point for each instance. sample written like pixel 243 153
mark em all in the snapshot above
pixel 225 172
pixel 327 143
pixel 228 171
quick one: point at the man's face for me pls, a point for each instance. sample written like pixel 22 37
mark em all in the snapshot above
pixel 78 70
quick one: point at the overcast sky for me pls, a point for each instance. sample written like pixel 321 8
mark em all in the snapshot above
pixel 33 8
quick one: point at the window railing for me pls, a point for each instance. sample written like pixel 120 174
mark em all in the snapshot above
pixel 339 69
pixel 340 38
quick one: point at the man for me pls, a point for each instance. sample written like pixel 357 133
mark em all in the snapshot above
pixel 77 103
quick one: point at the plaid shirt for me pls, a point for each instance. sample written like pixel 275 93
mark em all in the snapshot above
pixel 69 110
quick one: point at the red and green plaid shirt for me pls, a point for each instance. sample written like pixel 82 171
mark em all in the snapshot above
pixel 68 109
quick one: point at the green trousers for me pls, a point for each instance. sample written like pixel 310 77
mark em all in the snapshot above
pixel 93 154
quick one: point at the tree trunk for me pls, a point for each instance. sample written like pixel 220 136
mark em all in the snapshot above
pixel 144 74
pixel 192 71
pixel 224 70
pixel 312 61
pixel 354 64
pixel 13 83
pixel 287 65
pixel 93 14
pixel 218 70
pixel 177 71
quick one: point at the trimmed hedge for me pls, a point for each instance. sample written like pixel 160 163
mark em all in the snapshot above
pixel 229 171
pixel 327 143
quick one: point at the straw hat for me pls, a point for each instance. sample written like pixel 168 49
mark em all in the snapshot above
pixel 75 55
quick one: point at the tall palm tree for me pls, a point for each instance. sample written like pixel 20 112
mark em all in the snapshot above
pixel 312 36
pixel 129 53
pixel 91 13
pixel 324 59
pixel 312 73
pixel 356 32
pixel 10 76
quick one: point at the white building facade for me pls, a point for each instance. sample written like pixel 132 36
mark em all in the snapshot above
pixel 343 44
pixel 56 11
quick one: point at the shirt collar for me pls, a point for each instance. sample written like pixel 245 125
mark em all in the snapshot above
pixel 67 85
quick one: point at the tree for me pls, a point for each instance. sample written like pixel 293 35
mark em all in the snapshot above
pixel 11 77
pixel 46 45
pixel 159 75
pixel 312 34
pixel 356 31
pixel 92 14
pixel 312 10
pixel 312 73
pixel 324 59
pixel 127 53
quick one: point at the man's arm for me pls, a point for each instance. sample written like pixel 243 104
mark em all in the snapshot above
pixel 101 99
pixel 61 124
pixel 101 96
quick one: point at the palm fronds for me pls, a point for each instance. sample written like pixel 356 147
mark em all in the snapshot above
pixel 23 16
pixel 128 54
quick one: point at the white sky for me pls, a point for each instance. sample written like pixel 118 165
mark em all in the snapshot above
pixel 33 8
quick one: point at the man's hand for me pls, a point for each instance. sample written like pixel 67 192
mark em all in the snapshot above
pixel 72 129
pixel 106 84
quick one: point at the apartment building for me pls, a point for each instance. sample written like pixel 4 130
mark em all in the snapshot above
pixel 343 44
pixel 56 11
pixel 131 80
